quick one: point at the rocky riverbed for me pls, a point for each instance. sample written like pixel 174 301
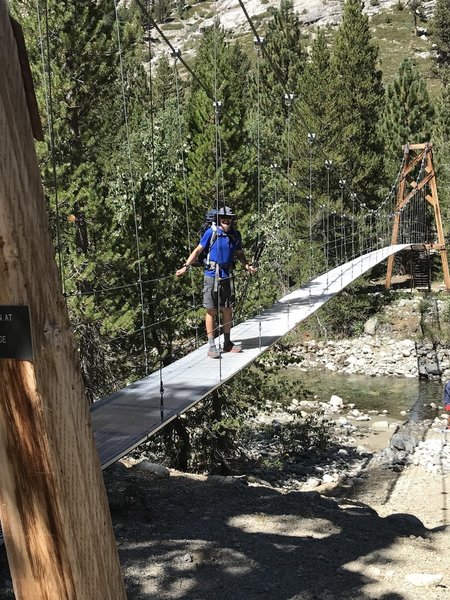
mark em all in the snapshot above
pixel 391 345
pixel 359 441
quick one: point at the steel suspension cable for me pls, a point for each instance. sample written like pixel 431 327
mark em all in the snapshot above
pixel 133 187
pixel 258 44
pixel 311 138
pixel 184 177
pixel 288 100
pixel 218 164
pixel 154 198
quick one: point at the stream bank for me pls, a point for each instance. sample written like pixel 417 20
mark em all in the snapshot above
pixel 406 340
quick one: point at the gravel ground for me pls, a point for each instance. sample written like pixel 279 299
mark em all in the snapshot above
pixel 201 538
pixel 191 537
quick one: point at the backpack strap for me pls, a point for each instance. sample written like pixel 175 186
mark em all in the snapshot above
pixel 211 264
pixel 211 242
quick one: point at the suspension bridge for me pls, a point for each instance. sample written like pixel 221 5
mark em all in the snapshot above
pixel 46 395
pixel 128 417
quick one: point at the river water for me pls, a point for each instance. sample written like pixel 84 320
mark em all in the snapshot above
pixel 393 394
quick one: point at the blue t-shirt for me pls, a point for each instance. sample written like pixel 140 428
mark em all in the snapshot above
pixel 223 249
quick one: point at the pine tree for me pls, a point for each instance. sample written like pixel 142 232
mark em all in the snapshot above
pixel 441 143
pixel 441 37
pixel 313 147
pixel 218 157
pixel 163 85
pixel 89 127
pixel 416 7
pixel 407 114
pixel 282 64
pixel 315 104
pixel 358 97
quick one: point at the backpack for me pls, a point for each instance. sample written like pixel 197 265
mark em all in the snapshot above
pixel 210 221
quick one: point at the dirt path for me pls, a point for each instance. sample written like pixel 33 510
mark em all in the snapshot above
pixel 198 538
pixel 204 539
pixel 419 492
pixel 195 538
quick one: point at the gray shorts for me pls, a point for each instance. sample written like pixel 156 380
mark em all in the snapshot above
pixel 210 296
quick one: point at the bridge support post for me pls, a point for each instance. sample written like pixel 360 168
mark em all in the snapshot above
pixel 423 156
pixel 433 199
pixel 53 506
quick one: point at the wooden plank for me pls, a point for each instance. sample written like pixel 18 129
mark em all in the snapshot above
pixel 434 201
pixel 54 512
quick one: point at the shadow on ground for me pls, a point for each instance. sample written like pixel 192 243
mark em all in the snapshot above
pixel 193 539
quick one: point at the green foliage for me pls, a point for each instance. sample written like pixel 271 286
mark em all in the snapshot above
pixel 164 89
pixel 161 10
pixel 345 315
pixel 301 437
pixel 316 184
pixel 444 329
pixel 358 96
pixel 441 35
pixel 218 157
pixel 407 114
pixel 85 122
pixel 315 98
pixel 417 9
pixel 282 63
pixel 138 162
pixel 441 144
pixel 221 426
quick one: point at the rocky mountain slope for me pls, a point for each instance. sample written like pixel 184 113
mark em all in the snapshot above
pixel 185 33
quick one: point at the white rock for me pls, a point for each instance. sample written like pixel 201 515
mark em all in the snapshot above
pixel 424 579
pixel 380 425
pixel 371 326
pixel 313 482
pixel 390 573
pixel 145 465
pixel 336 401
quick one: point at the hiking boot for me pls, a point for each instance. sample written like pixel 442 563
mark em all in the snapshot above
pixel 231 348
pixel 213 352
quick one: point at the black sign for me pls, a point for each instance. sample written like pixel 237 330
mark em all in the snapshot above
pixel 15 333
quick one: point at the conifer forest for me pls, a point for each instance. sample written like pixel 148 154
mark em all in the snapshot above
pixel 137 149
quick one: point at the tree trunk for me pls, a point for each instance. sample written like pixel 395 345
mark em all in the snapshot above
pixel 54 511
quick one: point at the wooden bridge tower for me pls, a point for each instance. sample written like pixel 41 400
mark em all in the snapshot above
pixel 408 187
